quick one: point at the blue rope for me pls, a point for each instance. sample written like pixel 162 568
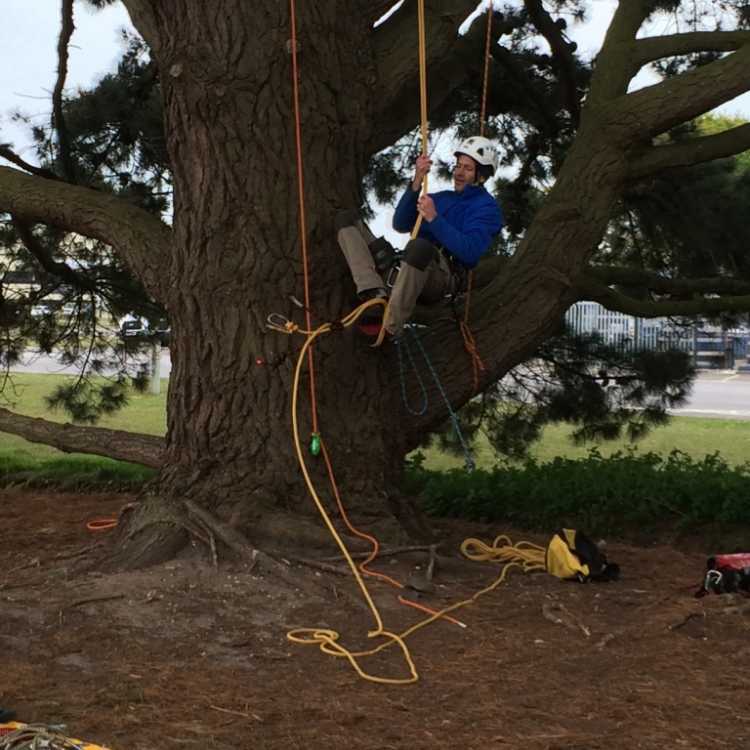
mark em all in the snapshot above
pixel 401 345
pixel 469 462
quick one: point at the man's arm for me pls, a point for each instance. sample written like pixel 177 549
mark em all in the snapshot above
pixel 472 242
pixel 405 215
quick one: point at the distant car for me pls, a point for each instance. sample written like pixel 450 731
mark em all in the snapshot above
pixel 41 310
pixel 134 328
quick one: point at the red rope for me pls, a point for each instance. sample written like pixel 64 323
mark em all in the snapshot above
pixel 302 222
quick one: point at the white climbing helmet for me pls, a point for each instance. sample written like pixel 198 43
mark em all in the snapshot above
pixel 481 150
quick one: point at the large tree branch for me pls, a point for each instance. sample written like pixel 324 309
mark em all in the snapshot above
pixel 655 109
pixel 654 159
pixel 396 95
pixel 653 48
pixel 142 240
pixel 634 277
pixel 614 67
pixel 122 446
pixel 614 300
pixel 58 116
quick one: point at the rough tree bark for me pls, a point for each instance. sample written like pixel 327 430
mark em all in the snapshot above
pixel 232 256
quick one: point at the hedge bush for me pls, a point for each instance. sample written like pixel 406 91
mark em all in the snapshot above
pixel 601 495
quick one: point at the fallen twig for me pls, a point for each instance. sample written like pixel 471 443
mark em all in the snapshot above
pixel 236 713
pixel 89 600
pixel 325 567
pixel 381 553
pixel 685 620
pixel 34 562
pixel 550 612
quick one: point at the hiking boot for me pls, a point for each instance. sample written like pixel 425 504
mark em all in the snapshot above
pixel 383 254
pixel 368 294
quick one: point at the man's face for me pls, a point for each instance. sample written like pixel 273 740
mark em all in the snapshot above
pixel 464 173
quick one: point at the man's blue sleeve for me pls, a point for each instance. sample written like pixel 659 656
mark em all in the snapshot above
pixel 405 215
pixel 473 241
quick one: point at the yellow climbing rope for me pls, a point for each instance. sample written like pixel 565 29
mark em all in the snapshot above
pixel 423 124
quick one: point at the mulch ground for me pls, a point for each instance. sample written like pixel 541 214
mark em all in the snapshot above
pixel 191 655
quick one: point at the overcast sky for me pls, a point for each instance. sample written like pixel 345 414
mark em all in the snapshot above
pixel 28 59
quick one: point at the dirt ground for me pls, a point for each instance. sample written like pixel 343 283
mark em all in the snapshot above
pixel 188 655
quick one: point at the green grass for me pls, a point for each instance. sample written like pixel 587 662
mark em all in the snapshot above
pixel 696 437
pixel 22 461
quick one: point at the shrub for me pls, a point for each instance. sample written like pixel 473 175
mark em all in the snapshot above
pixel 601 495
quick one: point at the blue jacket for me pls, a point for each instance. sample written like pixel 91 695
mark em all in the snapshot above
pixel 465 224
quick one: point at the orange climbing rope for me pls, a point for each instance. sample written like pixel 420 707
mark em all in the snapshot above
pixel 477 365
pixel 301 198
pixel 486 77
pixel 375 548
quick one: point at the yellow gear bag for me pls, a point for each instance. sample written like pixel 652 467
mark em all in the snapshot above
pixel 571 555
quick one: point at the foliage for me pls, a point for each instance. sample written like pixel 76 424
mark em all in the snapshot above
pixel 603 391
pixel 601 495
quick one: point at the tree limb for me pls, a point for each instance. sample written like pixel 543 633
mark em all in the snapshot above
pixel 142 240
pixel 137 448
pixel 635 277
pixel 614 67
pixel 614 300
pixel 655 109
pixel 58 116
pixel 562 53
pixel 652 48
pixel 8 154
pixel 692 151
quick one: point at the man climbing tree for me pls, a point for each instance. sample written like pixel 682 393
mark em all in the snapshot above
pixel 231 254
pixel 458 228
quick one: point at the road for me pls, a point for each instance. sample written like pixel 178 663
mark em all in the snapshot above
pixel 43 364
pixel 722 393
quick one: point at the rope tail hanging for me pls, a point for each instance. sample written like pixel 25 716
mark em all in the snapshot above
pixel 470 344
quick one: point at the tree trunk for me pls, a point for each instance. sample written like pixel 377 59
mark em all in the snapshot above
pixel 237 259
